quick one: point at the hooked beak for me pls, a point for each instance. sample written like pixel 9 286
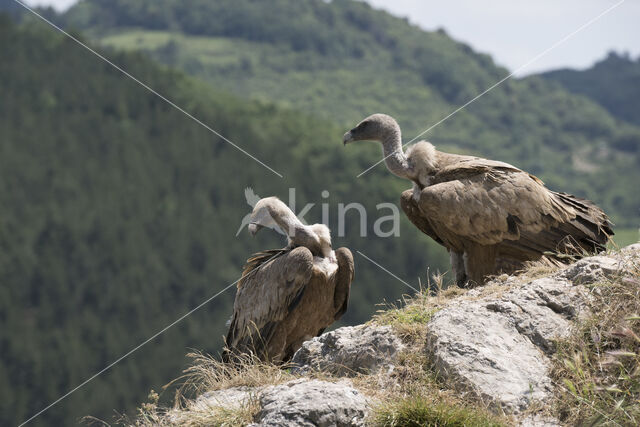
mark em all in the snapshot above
pixel 347 138
pixel 253 228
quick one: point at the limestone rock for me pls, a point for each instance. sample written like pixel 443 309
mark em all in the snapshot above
pixel 494 342
pixel 481 350
pixel 541 310
pixel 495 346
pixel 349 350
pixel 230 398
pixel 593 269
pixel 537 420
pixel 311 403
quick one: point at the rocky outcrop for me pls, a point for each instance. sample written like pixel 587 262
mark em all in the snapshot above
pixel 349 350
pixel 538 420
pixel 494 342
pixel 312 403
pixel 497 346
pixel 594 269
pixel 230 398
pixel 300 402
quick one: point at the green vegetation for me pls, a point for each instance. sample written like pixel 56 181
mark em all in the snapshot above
pixel 10 7
pixel 421 411
pixel 119 215
pixel 626 236
pixel 613 82
pixel 597 369
pixel 343 60
pixel 411 314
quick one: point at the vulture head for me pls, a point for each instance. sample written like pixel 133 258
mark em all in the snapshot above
pixel 271 212
pixel 377 127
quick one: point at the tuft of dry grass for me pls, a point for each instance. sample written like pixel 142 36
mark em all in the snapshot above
pixel 208 374
pixel 597 369
pixel 536 269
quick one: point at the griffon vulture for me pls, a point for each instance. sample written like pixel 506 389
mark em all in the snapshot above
pixel 289 295
pixel 490 215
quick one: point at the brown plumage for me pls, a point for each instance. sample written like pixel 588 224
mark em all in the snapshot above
pixel 287 296
pixel 490 215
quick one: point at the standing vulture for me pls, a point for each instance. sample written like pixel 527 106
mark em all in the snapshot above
pixel 289 295
pixel 490 215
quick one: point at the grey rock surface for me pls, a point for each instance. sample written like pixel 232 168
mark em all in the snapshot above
pixel 539 421
pixel 312 403
pixel 632 249
pixel 593 269
pixel 494 342
pixel 480 350
pixel 233 397
pixel 497 345
pixel 541 310
pixel 349 350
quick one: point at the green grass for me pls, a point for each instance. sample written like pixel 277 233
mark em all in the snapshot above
pixel 409 315
pixel 420 411
pixel 255 70
pixel 409 318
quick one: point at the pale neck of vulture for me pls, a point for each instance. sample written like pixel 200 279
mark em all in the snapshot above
pixel 385 129
pixel 272 211
pixel 394 156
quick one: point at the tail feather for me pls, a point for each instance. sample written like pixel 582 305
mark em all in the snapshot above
pixel 588 232
pixel 590 220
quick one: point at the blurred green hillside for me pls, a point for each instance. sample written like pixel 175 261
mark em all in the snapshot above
pixel 613 82
pixel 343 60
pixel 119 213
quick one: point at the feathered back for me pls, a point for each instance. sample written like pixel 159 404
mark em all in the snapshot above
pixel 258 259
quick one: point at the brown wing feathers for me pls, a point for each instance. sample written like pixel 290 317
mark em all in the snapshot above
pixel 488 203
pixel 283 298
pixel 257 259
pixel 272 284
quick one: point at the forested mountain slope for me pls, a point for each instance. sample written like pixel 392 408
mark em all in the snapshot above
pixel 343 60
pixel 613 82
pixel 119 215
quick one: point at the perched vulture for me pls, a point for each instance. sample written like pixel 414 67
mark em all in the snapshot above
pixel 287 296
pixel 490 215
